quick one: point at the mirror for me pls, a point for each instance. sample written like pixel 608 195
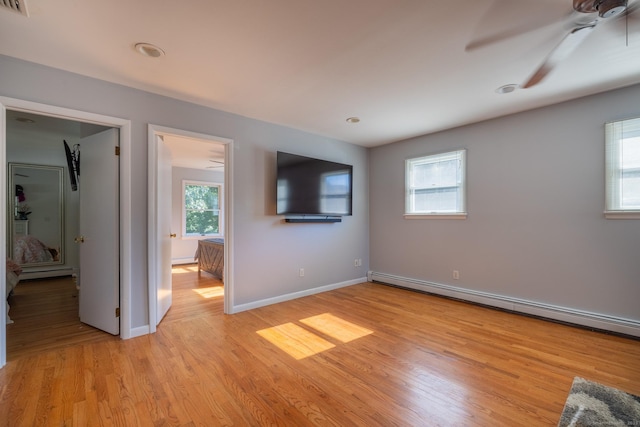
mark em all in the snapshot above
pixel 36 214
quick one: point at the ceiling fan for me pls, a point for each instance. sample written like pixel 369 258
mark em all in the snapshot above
pixel 219 164
pixel 605 9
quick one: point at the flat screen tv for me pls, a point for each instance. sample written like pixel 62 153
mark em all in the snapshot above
pixel 308 186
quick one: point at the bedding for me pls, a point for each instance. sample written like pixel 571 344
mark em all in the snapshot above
pixel 210 257
pixel 27 250
pixel 13 273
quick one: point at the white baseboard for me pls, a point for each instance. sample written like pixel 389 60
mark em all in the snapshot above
pixel 41 274
pixel 563 314
pixel 180 261
pixel 294 295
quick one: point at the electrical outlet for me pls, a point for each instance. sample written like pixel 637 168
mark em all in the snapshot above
pixel 302 272
pixel 456 274
pixel 357 262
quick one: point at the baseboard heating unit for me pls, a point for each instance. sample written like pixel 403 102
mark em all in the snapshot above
pixel 563 314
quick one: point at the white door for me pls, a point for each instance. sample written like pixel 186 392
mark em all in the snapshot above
pixel 164 233
pixel 99 231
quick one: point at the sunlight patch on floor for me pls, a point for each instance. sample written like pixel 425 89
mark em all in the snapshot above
pixel 295 340
pixel 210 292
pixel 336 327
pixel 299 342
pixel 184 268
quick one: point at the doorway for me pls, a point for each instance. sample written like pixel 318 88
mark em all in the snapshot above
pixel 59 226
pixel 208 153
pixel 83 119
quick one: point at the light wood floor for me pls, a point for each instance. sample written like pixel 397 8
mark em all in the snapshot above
pixel 45 315
pixel 365 355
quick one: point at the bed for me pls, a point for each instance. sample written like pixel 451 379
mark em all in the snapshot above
pixel 28 250
pixel 13 277
pixel 210 257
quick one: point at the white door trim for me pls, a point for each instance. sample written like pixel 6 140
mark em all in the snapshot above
pixel 125 201
pixel 155 131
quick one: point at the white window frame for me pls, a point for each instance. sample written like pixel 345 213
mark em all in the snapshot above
pixel 615 133
pixel 461 212
pixel 220 209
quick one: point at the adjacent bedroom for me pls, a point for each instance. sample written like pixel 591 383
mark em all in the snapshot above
pixel 197 195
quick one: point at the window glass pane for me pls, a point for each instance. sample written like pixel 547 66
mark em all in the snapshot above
pixel 631 193
pixel 201 197
pixel 439 200
pixel 630 179
pixel 436 174
pixel 202 222
pixel 631 153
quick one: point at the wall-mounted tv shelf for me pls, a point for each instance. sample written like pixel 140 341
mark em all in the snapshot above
pixel 314 219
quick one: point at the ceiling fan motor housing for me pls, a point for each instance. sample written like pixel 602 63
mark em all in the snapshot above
pixel 609 8
pixel 605 8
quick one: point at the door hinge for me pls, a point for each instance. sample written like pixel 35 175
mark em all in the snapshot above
pixel 117 150
pixel 117 311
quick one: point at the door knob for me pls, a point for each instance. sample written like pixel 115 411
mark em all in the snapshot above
pixel 172 235
pixel 79 239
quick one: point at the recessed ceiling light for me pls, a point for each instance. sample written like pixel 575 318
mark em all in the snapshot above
pixel 507 89
pixel 24 120
pixel 147 49
pixel 353 120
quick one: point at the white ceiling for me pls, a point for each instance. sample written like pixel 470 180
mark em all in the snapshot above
pixel 19 121
pixel 404 67
pixel 185 152
pixel 195 154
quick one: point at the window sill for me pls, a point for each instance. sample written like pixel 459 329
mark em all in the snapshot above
pixel 461 215
pixel 622 214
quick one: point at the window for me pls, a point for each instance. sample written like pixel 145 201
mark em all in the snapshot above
pixel 202 209
pixel 435 186
pixel 623 169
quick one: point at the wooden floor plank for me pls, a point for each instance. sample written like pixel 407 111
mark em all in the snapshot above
pixel 45 317
pixel 397 357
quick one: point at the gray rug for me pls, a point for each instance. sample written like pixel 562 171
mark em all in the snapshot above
pixel 592 404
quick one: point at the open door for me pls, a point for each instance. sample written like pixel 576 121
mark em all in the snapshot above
pixel 159 209
pixel 163 211
pixel 99 232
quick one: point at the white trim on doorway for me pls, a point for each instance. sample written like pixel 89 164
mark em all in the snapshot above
pixel 154 132
pixel 125 201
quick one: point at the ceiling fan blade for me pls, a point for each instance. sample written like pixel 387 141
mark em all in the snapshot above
pixel 570 42
pixel 496 38
pixel 497 23
pixel 632 8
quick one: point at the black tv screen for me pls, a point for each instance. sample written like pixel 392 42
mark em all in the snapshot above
pixel 308 186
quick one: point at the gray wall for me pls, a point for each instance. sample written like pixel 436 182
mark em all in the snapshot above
pixel 267 251
pixel 183 250
pixel 535 228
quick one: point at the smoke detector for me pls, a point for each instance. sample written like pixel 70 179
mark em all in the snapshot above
pixel 18 6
